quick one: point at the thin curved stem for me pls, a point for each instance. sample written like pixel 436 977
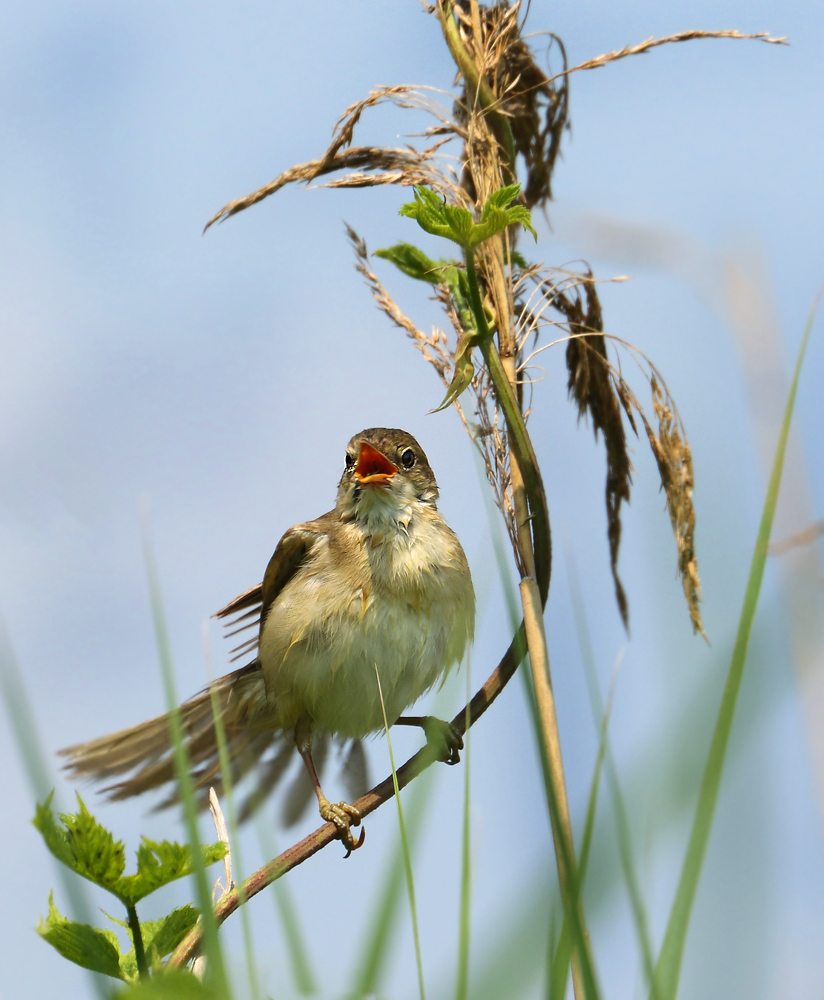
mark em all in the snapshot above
pixel 366 804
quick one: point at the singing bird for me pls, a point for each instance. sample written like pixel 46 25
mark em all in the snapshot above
pixel 377 590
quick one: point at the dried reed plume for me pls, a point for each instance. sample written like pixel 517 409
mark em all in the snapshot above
pixel 509 116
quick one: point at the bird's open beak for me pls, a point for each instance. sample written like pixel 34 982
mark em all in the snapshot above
pixel 373 468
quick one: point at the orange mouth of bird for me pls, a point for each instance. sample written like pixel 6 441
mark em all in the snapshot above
pixel 373 468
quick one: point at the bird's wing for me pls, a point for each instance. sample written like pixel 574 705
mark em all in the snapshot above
pixel 249 609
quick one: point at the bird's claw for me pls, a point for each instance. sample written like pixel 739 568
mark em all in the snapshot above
pixel 343 816
pixel 444 739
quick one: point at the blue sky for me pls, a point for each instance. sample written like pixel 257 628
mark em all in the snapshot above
pixel 222 375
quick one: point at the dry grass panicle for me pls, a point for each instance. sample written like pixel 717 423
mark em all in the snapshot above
pixel 510 115
pixel 590 385
pixel 537 108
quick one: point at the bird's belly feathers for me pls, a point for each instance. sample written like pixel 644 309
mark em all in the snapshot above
pixel 323 665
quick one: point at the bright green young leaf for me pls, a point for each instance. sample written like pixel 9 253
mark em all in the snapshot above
pixel 82 844
pixel 501 198
pixel 435 216
pixel 464 371
pixel 160 938
pixel 427 210
pixel 86 847
pixel 495 216
pixel 161 863
pixel 414 262
pixel 166 934
pixel 84 945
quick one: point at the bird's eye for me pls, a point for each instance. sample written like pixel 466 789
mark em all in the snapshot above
pixel 408 458
pixel 350 461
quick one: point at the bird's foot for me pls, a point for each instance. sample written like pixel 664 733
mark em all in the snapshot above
pixel 343 816
pixel 443 738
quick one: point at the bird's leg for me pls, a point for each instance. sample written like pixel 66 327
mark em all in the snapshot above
pixel 442 736
pixel 341 814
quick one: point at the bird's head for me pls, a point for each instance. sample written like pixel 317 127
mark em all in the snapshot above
pixel 386 475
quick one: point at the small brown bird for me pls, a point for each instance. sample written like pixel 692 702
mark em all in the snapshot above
pixel 378 587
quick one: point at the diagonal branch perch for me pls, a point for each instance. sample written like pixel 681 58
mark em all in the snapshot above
pixel 368 803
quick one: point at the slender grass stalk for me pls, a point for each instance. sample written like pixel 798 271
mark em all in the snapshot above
pixel 30 747
pixel 622 827
pixel 462 985
pixel 563 952
pixel 407 858
pixel 376 941
pixel 216 971
pixel 668 969
pixel 228 791
pixel 533 594
pixel 302 973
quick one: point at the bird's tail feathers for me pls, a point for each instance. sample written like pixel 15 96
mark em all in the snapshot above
pixel 146 753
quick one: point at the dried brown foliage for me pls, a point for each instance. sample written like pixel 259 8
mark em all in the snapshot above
pixel 590 385
pixel 510 116
pixel 536 108
pixel 652 43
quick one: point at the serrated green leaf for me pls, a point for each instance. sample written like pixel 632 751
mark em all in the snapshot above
pixel 501 198
pixel 460 223
pixel 128 966
pixel 495 218
pixel 520 214
pixel 160 938
pixel 159 863
pixel 53 835
pixel 166 934
pixel 428 218
pixel 413 262
pixel 89 849
pixel 82 844
pixel 456 224
pixel 86 946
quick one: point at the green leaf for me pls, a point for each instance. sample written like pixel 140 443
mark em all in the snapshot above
pixel 501 198
pixel 455 223
pixel 495 216
pixel 160 938
pixel 176 984
pixel 166 934
pixel 89 849
pixel 427 210
pixel 82 844
pixel 414 262
pixel 668 969
pixel 86 946
pixel 464 371
pixel 161 863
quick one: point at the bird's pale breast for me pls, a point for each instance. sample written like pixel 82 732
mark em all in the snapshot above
pixel 401 602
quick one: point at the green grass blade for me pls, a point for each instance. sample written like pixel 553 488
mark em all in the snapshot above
pixel 376 947
pixel 590 982
pixel 407 858
pixel 305 980
pixel 216 971
pixel 669 961
pixel 462 985
pixel 30 746
pixel 563 953
pixel 639 913
pixel 228 792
